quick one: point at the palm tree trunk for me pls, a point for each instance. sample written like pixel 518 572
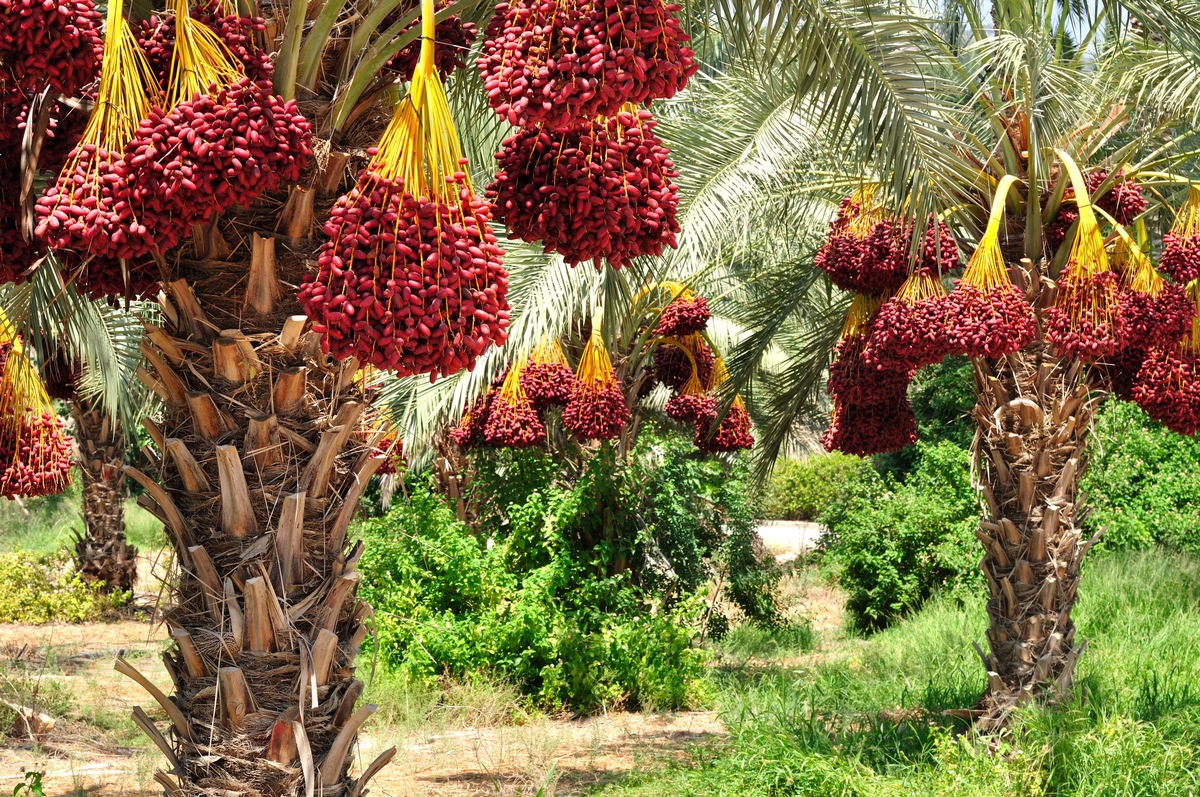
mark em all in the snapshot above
pixel 102 552
pixel 1033 416
pixel 261 470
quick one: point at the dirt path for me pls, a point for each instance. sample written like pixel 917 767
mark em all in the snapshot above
pixel 95 749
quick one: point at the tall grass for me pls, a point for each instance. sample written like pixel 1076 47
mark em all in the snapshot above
pixel 868 719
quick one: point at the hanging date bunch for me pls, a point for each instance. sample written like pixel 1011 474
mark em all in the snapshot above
pixel 692 404
pixel 548 377
pixel 54 43
pixel 851 379
pixel 1124 199
pixel 560 62
pixel 596 409
pixel 988 315
pixel 1181 246
pixel 512 422
pixel 1083 321
pixel 468 432
pixel 17 255
pixel 454 38
pixel 411 279
pixel 602 191
pixel 732 432
pixel 35 451
pixel 911 329
pixel 222 139
pixel 871 412
pixel 676 361
pixel 1168 384
pixel 844 254
pixel 1152 313
pixel 239 34
pixel 685 314
pixel 89 211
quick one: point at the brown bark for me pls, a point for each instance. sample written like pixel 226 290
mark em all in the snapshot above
pixel 102 552
pixel 258 494
pixel 1033 415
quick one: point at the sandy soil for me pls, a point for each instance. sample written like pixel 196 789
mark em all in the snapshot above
pixel 95 750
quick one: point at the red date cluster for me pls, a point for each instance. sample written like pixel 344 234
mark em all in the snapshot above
pixel 1083 321
pixel 878 262
pixel 47 42
pixel 512 422
pixel 181 167
pixel 867 429
pixel 1125 201
pixel 695 408
pixel 731 434
pixel 391 448
pixel 596 411
pixel 35 455
pixel 468 432
pixel 684 315
pixel 408 284
pixel 156 36
pixel 1145 321
pixel 548 384
pixel 1168 389
pixel 854 382
pixel 216 151
pixel 602 191
pixel 989 323
pixel 673 368
pixel 561 62
pixel 89 211
pixel 1181 257
pixel 907 334
pixel 454 39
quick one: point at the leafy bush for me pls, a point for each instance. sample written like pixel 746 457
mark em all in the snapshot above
pixel 525 610
pixel 1142 482
pixel 892 544
pixel 800 489
pixel 47 589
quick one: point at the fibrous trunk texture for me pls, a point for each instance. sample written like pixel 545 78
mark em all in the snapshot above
pixel 262 466
pixel 102 552
pixel 1033 416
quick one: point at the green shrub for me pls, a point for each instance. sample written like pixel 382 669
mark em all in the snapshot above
pixel 47 589
pixel 525 610
pixel 800 489
pixel 1142 482
pixel 892 544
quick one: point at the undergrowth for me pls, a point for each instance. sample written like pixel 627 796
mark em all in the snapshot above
pixel 867 719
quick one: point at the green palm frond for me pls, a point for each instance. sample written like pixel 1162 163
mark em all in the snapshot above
pixel 104 339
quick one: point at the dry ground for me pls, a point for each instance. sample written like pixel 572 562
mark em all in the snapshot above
pixel 481 743
pixel 96 750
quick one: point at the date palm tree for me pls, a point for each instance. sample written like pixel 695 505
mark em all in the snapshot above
pixel 936 105
pixel 98 344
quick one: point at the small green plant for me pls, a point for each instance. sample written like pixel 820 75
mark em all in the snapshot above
pixel 30 785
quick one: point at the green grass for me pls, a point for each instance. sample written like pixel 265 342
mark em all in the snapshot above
pixel 46 525
pixel 867 719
